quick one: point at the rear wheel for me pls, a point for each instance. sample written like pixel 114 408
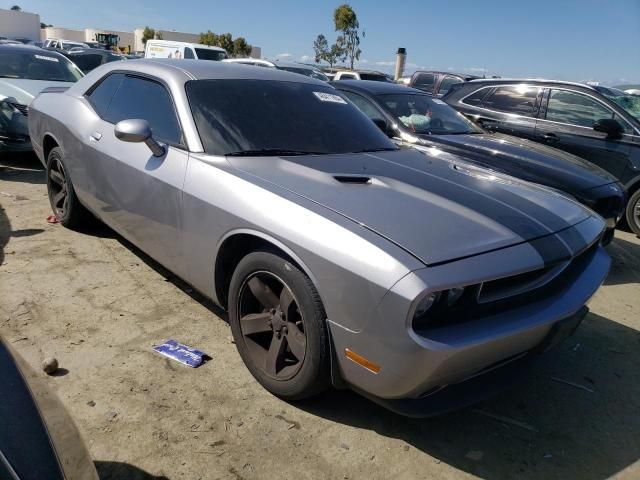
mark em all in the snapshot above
pixel 62 196
pixel 633 213
pixel 279 326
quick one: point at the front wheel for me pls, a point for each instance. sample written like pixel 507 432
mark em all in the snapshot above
pixel 62 196
pixel 279 326
pixel 633 213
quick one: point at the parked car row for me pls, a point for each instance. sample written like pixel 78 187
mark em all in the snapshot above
pixel 415 276
pixel 594 123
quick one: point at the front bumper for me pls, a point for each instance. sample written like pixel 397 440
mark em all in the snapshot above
pixel 485 384
pixel 414 364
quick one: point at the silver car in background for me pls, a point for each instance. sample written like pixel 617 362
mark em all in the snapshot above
pixel 24 72
pixel 411 277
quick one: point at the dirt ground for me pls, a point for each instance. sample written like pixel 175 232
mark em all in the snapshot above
pixel 98 304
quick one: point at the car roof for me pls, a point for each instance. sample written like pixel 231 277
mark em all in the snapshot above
pixel 373 87
pixel 23 48
pixel 185 70
pixel 439 72
pixel 511 81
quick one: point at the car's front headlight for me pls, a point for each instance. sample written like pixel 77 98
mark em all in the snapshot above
pixel 431 305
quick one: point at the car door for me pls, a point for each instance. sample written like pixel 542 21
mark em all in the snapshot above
pixel 510 109
pixel 141 193
pixel 566 122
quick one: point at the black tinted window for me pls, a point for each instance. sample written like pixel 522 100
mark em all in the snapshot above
pixel 101 95
pixel 188 53
pixel 575 109
pixel 36 64
pixel 374 77
pixel 477 97
pixel 207 54
pixel 364 105
pixel 87 62
pixel 519 99
pixel 249 115
pixel 424 81
pixel 446 84
pixel 150 101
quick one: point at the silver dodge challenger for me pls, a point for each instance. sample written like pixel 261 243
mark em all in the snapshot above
pixel 416 279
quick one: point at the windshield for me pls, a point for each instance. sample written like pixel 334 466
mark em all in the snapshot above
pixel 631 103
pixel 273 117
pixel 38 66
pixel 376 77
pixel 423 114
pixel 308 72
pixel 208 54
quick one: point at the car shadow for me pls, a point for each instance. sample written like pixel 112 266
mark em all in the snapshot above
pixel 625 262
pixel 5 232
pixel 547 428
pixel 120 470
pixel 99 229
pixel 21 167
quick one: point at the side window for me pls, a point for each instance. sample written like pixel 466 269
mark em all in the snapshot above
pixel 347 76
pixel 477 97
pixel 101 95
pixel 519 99
pixel 446 84
pixel 150 101
pixel 364 106
pixel 87 62
pixel 575 109
pixel 188 53
pixel 424 81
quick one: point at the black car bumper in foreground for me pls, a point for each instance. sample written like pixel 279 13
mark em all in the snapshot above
pixel 485 384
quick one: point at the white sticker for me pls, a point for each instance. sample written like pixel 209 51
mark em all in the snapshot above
pixel 329 97
pixel 49 59
pixel 438 101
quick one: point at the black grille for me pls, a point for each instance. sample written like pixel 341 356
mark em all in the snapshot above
pixel 23 109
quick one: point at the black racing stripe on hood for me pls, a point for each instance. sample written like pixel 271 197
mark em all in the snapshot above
pixel 516 213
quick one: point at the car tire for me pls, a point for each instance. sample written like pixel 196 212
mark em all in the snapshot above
pixel 279 326
pixel 633 213
pixel 62 196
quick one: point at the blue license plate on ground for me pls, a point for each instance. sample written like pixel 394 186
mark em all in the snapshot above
pixel 181 353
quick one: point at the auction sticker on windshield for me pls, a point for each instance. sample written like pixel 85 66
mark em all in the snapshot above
pixel 49 59
pixel 329 97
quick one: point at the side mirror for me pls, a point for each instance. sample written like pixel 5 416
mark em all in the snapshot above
pixel 382 125
pixel 611 127
pixel 138 131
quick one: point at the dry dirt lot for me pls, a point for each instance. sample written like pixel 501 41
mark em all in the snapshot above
pixel 99 305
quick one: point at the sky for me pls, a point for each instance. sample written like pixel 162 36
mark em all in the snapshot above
pixel 580 40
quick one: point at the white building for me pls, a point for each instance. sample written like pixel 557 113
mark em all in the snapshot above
pixel 19 24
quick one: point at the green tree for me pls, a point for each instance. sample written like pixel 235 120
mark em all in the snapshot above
pixel 241 48
pixel 209 38
pixel 225 40
pixel 16 8
pixel 321 47
pixel 346 22
pixel 331 55
pixel 148 34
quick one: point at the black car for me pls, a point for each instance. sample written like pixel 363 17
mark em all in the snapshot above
pixel 596 123
pixel 414 118
pixel 38 439
pixel 437 83
pixel 90 58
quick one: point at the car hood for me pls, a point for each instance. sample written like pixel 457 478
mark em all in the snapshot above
pixel 528 160
pixel 432 205
pixel 24 91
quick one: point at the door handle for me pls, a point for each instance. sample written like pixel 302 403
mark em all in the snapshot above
pixel 95 137
pixel 550 137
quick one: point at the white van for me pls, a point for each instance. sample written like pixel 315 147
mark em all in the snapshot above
pixel 171 49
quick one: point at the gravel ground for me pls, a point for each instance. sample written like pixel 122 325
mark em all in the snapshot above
pixel 98 304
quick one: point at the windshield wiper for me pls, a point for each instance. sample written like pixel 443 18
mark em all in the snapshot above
pixel 270 152
pixel 379 149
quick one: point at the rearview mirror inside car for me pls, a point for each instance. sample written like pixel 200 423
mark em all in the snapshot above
pixel 611 127
pixel 138 131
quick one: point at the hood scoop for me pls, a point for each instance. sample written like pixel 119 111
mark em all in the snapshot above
pixel 353 179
